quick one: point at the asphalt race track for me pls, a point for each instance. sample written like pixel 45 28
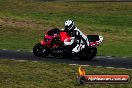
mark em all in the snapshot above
pixel 106 61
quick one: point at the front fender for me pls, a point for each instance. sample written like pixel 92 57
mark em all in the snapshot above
pixel 43 42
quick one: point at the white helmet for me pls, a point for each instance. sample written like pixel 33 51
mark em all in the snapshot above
pixel 69 24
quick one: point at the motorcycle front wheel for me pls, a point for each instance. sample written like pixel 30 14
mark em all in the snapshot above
pixel 40 50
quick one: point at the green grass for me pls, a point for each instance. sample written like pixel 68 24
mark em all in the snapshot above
pixel 110 19
pixel 25 22
pixel 13 38
pixel 29 74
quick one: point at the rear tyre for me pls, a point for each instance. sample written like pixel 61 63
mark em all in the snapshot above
pixel 88 53
pixel 40 50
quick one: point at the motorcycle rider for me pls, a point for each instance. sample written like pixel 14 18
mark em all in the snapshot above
pixel 76 36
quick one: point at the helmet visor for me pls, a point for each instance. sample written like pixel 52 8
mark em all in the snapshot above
pixel 68 27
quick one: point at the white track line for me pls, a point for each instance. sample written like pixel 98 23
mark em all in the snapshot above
pixel 110 58
pixel 109 67
pixel 100 66
pixel 73 64
pixel 4 49
pixel 21 60
pixel 85 65
pixel 18 50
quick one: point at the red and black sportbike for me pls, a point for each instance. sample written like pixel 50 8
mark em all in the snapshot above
pixel 53 44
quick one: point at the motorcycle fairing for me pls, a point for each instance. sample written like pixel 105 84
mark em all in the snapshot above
pixel 64 35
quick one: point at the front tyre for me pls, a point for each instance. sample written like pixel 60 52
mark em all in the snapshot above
pixel 88 53
pixel 93 52
pixel 40 50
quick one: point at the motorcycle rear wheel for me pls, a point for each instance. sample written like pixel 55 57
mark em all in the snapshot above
pixel 40 50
